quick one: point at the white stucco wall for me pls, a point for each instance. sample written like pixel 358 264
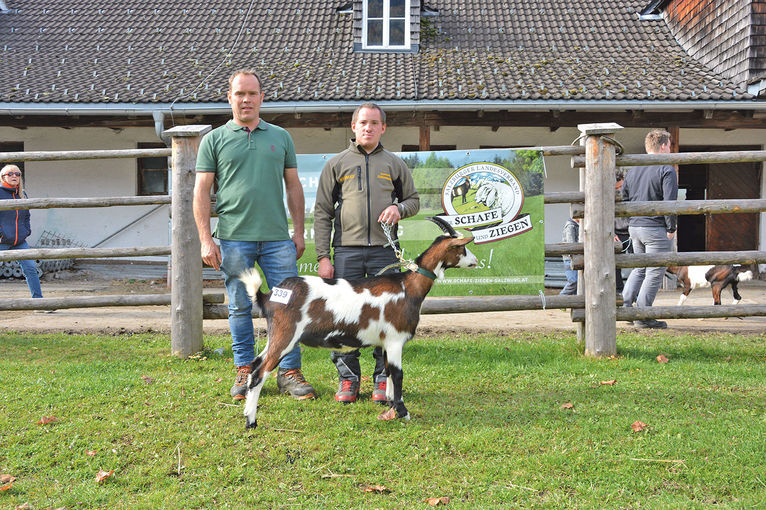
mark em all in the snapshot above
pixel 89 178
pixel 117 177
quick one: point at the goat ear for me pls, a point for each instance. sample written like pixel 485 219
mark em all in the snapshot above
pixel 445 226
pixel 462 241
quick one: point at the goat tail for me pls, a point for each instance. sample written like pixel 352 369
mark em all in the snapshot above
pixel 252 280
pixel 744 276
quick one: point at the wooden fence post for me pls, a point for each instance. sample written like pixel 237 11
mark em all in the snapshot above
pixel 186 262
pixel 597 234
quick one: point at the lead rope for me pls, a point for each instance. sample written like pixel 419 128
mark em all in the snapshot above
pixel 407 264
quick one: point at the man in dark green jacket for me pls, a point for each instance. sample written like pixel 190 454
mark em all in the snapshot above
pixel 360 188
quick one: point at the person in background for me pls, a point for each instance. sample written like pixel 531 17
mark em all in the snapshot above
pixel 251 160
pixel 650 234
pixel 570 234
pixel 15 225
pixel 621 233
pixel 360 188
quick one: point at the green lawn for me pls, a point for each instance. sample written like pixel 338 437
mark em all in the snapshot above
pixel 488 429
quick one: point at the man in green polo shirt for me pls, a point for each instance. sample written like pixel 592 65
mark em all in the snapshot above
pixel 249 160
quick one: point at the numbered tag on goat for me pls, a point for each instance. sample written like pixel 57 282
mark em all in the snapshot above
pixel 281 295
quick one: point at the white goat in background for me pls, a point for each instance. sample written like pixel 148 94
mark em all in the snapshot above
pixel 496 195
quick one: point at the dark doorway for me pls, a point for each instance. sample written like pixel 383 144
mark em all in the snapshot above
pixel 719 232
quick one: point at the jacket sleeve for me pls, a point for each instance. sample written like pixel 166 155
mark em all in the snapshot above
pixel 410 200
pixel 324 211
pixel 670 192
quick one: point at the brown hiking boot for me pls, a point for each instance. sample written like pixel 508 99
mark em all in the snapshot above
pixel 292 381
pixel 239 390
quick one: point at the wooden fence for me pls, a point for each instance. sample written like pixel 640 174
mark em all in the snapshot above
pixel 594 311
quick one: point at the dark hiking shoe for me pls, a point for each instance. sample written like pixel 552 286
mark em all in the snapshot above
pixel 239 390
pixel 348 390
pixel 379 392
pixel 650 324
pixel 292 381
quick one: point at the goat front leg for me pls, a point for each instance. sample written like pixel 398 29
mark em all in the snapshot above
pixel 395 376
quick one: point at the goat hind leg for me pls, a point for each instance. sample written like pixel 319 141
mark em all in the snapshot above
pixel 260 372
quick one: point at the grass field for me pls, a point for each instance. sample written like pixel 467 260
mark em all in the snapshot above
pixel 521 421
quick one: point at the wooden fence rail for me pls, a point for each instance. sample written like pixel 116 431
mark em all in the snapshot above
pixel 686 258
pixel 682 158
pixel 60 303
pixel 6 157
pixel 82 253
pixel 749 205
pixel 51 203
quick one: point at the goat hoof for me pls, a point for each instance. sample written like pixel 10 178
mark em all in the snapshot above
pixel 387 415
pixel 252 425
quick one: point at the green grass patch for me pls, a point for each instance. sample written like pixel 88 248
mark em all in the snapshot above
pixel 488 429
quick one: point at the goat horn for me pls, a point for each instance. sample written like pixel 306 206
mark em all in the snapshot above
pixel 445 226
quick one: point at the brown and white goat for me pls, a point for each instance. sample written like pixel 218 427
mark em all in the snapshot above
pixel 716 277
pixel 343 315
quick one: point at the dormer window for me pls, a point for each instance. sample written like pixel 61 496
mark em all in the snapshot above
pixel 386 24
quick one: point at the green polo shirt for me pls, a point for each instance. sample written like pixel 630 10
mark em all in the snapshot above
pixel 249 173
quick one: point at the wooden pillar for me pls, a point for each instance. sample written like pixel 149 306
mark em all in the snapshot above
pixel 185 258
pixel 597 234
pixel 425 138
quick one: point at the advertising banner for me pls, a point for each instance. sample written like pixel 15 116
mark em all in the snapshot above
pixel 493 195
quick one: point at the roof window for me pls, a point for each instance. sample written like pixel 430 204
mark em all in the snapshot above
pixel 386 24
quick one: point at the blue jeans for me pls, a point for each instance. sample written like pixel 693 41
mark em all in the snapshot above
pixel 277 260
pixel 570 289
pixel 29 267
pixel 644 282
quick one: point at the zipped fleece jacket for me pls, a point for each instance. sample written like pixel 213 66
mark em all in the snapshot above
pixel 354 188
pixel 656 182
pixel 14 225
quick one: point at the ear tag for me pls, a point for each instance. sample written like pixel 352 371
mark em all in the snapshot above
pixel 279 295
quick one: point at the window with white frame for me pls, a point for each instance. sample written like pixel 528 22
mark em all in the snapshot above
pixel 385 24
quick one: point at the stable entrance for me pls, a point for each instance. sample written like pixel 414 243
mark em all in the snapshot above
pixel 718 232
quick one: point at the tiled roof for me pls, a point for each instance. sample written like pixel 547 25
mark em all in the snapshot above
pixel 81 51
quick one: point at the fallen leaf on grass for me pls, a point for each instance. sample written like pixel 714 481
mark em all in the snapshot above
pixel 609 383
pixel 662 359
pixel 103 475
pixel 90 453
pixel 437 501
pixel 219 379
pixel 568 405
pixel 147 379
pixel 46 420
pixel 7 478
pixel 380 489
pixel 24 506
pixel 638 426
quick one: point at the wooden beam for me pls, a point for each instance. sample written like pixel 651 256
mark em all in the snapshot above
pixel 425 138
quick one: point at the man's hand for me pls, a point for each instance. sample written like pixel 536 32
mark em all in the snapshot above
pixel 300 244
pixel 326 270
pixel 390 215
pixel 671 235
pixel 211 253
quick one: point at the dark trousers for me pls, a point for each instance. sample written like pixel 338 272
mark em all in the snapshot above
pixel 356 263
pixel 627 247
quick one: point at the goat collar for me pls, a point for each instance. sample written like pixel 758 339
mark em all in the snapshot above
pixel 426 273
